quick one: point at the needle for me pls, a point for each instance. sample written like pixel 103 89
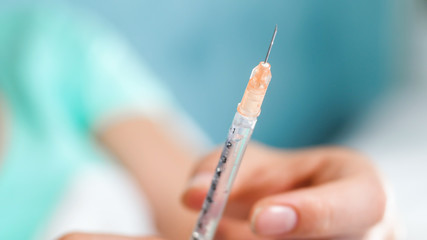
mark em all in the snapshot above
pixel 238 137
pixel 271 44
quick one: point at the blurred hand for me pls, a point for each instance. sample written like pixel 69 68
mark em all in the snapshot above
pixel 321 193
pixel 86 236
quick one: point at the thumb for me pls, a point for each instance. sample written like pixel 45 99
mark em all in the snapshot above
pixel 336 209
pixel 200 181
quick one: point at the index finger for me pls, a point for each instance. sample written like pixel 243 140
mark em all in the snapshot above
pixel 263 171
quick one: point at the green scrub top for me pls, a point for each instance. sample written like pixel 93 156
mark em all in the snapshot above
pixel 61 74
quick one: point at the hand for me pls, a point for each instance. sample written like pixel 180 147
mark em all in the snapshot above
pixel 86 236
pixel 324 193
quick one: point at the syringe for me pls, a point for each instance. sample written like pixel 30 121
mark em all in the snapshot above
pixel 238 137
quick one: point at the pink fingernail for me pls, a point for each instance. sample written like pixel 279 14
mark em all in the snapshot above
pixel 274 220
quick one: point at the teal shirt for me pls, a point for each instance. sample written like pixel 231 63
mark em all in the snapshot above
pixel 62 74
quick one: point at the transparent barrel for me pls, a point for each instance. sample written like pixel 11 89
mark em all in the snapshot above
pixel 238 137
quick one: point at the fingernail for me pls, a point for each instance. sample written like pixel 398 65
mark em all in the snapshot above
pixel 274 220
pixel 200 180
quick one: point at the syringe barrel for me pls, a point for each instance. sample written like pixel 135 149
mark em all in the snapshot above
pixel 237 140
pixel 250 106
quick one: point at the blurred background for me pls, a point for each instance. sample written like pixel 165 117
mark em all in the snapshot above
pixel 347 72
pixel 205 51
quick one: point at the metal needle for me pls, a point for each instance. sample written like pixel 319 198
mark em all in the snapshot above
pixel 271 44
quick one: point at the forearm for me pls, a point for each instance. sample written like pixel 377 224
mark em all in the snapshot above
pixel 160 166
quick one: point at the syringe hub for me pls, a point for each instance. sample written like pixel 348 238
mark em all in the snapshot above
pixel 250 106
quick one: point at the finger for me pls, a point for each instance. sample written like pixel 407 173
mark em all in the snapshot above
pixel 87 236
pixel 235 229
pixel 263 171
pixel 346 207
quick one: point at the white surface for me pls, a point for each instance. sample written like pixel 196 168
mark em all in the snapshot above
pixel 395 136
pixel 396 140
pixel 101 199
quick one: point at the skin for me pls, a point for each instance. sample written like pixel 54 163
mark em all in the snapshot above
pixel 336 192
pixel 153 158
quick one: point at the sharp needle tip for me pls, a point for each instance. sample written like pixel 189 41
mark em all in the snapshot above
pixel 271 44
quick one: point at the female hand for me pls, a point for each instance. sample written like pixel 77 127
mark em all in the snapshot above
pixel 320 193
